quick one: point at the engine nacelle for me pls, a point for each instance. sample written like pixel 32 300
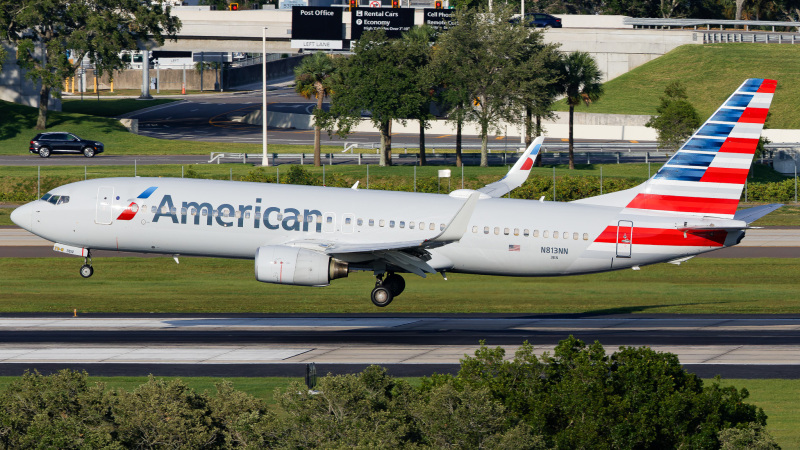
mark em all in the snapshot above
pixel 281 264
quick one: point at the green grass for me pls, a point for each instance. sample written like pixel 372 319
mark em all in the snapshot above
pixel 110 108
pixel 219 285
pixel 779 399
pixel 710 74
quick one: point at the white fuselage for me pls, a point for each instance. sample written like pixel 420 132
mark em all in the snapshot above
pixel 233 219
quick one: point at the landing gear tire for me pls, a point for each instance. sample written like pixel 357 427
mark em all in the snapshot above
pixel 395 283
pixel 86 271
pixel 381 296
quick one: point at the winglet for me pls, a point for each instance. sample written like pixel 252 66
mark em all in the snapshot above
pixel 458 226
pixel 518 173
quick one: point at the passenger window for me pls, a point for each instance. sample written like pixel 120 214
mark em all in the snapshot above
pixel 485 230
pixel 441 227
pixel 360 222
pixel 555 234
pixel 516 231
pixel 544 234
pixel 506 231
pixel 280 217
pixel 574 236
pixel 238 214
pixel 525 232
pixel 422 225
pixel 497 230
pixel 215 213
pixel 381 223
pixel 328 219
pixel 432 226
pixel 257 217
pixel 183 211
pixel 474 229
pixel 318 219
pixel 402 224
pixel 204 211
pixel 411 225
pixel 565 235
pixel 247 215
pixel 372 222
pixel 391 224
pixel 347 221
pixel 535 233
pixel 585 236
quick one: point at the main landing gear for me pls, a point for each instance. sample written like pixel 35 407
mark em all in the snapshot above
pixel 387 289
pixel 86 268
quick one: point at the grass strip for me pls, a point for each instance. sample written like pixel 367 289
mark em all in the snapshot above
pixel 700 286
pixel 710 73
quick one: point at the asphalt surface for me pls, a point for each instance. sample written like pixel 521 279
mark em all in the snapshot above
pixel 734 346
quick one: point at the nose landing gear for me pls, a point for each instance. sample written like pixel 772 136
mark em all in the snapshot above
pixel 386 290
pixel 86 269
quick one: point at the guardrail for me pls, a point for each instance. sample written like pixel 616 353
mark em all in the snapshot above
pixel 722 37
pixel 555 153
pixel 708 23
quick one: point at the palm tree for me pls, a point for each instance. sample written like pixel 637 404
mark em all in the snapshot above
pixel 580 82
pixel 312 80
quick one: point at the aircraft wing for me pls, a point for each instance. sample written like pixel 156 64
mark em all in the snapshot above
pixel 518 173
pixel 409 255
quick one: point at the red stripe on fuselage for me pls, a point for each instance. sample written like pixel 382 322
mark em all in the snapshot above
pixel 724 175
pixel 684 204
pixel 666 236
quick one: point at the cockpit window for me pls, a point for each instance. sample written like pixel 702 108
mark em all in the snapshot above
pixel 55 199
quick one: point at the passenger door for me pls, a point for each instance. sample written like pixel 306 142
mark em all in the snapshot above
pixel 105 199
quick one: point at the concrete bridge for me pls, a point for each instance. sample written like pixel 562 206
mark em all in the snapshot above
pixel 617 47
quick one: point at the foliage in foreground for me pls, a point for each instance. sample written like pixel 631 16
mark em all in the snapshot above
pixel 578 397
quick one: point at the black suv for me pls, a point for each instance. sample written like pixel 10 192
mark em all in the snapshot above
pixel 541 20
pixel 59 142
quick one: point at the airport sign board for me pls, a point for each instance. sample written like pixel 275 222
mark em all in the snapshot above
pixel 394 21
pixel 439 19
pixel 317 27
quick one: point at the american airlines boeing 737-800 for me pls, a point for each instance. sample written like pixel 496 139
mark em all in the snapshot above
pixel 308 236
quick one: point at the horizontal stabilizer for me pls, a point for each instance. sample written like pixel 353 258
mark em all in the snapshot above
pixel 518 173
pixel 750 215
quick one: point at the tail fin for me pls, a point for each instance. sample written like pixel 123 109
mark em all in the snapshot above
pixel 706 176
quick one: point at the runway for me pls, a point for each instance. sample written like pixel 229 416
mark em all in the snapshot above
pixel 734 346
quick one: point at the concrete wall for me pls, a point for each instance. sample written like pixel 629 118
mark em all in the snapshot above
pixel 617 51
pixel 173 78
pixel 14 87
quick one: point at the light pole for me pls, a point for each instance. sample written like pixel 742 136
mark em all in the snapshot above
pixel 264 159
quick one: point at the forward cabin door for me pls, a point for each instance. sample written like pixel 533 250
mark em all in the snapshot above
pixel 105 196
pixel 624 238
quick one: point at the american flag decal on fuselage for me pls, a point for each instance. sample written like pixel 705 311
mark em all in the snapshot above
pixel 706 176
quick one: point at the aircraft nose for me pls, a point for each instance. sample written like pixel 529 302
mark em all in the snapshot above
pixel 22 216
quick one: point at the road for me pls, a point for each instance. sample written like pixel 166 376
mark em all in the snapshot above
pixel 735 346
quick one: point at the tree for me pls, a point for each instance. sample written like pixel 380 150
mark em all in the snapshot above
pixel 417 43
pixel 312 79
pixel 45 32
pixel 580 83
pixel 677 119
pixel 478 58
pixel 379 79
pixel 538 75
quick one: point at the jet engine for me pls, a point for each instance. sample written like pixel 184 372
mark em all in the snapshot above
pixel 282 264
